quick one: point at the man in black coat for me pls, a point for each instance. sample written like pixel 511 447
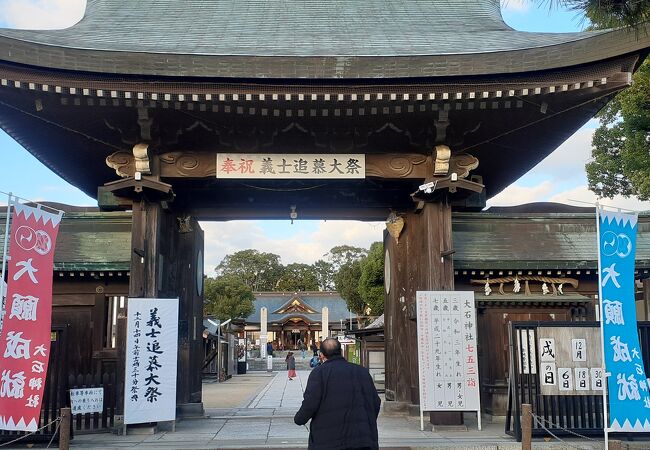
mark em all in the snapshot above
pixel 342 403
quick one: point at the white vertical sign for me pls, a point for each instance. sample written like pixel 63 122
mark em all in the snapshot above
pixel 527 350
pixel 548 375
pixel 447 353
pixel 264 330
pixel 578 350
pixel 151 360
pixel 565 378
pixel 325 323
pixel 547 349
pixel 5 252
pixel 582 378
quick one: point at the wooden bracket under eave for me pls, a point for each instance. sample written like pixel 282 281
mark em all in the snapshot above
pixel 132 188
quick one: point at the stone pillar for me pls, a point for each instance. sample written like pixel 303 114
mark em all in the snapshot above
pixel 414 264
pixel 264 314
pixel 325 333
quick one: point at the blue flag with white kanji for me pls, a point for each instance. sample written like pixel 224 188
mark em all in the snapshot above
pixel 629 399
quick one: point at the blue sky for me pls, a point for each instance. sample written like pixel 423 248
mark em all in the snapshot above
pixel 560 177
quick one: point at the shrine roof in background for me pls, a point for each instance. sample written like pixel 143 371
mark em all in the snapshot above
pixel 534 237
pixel 89 240
pixel 315 300
pixel 510 239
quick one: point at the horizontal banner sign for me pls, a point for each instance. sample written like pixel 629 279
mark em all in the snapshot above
pixel 291 166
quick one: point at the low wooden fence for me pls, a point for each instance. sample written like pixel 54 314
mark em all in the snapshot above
pixel 96 422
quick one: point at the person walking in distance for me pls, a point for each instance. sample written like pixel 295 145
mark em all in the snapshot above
pixel 291 366
pixel 342 403
pixel 314 348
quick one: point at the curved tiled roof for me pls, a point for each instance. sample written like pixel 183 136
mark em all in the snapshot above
pixel 315 300
pixel 298 38
pixel 294 28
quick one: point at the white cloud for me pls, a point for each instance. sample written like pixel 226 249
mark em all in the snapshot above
pixel 560 178
pixel 518 195
pixel 568 160
pixel 515 5
pixel 582 194
pixel 41 14
pixel 223 238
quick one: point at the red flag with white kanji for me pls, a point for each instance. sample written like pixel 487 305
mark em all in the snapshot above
pixel 25 337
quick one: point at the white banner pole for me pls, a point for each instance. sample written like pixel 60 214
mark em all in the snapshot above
pixel 3 285
pixel 602 333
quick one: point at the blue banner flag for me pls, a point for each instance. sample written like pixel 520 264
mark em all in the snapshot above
pixel 629 399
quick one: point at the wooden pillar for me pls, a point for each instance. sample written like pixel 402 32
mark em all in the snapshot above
pixel 416 264
pixel 526 426
pixel 167 262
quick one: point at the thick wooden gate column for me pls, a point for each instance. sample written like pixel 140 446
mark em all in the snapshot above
pixel 167 262
pixel 420 261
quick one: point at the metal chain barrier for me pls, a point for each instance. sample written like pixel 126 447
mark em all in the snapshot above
pixel 58 422
pixel 541 424
pixel 56 430
pixel 566 429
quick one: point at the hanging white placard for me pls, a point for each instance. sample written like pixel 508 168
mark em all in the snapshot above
pixel 151 360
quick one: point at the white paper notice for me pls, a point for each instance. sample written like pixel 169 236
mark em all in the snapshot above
pixel 151 358
pixel 447 354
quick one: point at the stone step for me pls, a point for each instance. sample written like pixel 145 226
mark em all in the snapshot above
pixel 278 364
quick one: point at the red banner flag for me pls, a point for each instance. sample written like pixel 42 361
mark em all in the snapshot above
pixel 25 338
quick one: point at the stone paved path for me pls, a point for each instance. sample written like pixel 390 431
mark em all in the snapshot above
pixel 265 421
pixel 282 393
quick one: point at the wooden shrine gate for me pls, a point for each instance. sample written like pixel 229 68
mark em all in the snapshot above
pixel 137 116
pixel 561 414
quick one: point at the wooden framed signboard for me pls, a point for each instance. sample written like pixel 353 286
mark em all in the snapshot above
pixel 447 354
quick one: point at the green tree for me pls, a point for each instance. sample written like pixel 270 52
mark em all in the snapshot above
pixel 324 272
pixel 371 281
pixel 608 13
pixel 621 144
pixel 344 254
pixel 346 281
pixel 259 271
pixel 298 277
pixel 227 299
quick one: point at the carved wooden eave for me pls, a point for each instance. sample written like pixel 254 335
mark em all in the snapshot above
pixel 295 319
